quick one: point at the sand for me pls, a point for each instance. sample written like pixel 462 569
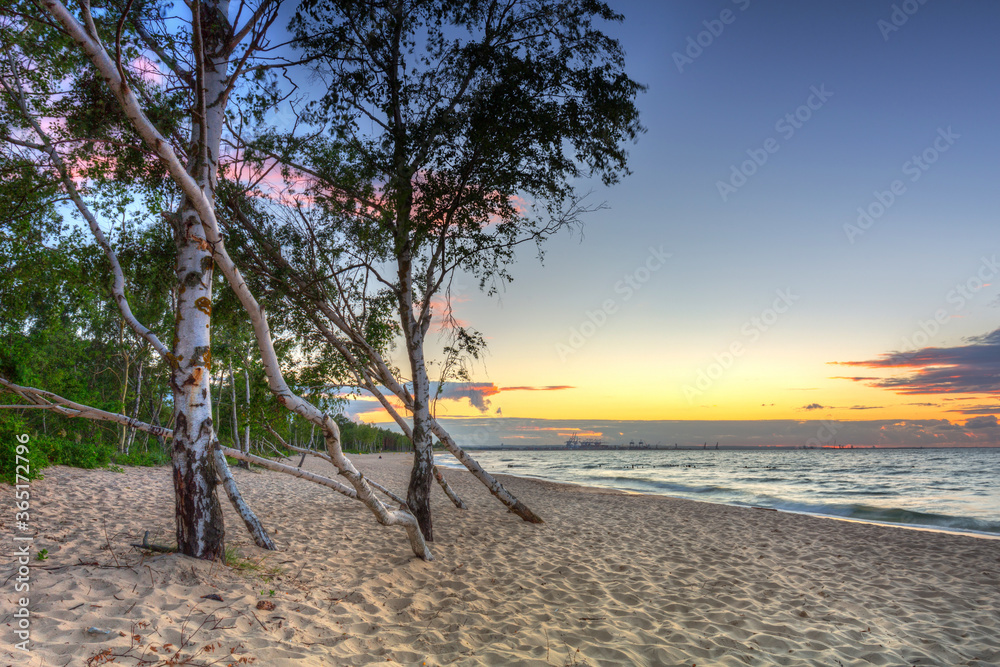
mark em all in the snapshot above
pixel 609 579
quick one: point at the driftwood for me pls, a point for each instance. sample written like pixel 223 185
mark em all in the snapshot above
pixel 153 547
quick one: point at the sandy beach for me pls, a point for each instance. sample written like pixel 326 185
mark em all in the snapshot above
pixel 609 579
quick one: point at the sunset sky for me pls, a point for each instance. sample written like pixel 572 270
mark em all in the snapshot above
pixel 815 204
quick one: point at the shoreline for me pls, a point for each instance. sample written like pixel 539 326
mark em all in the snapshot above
pixel 783 505
pixel 611 578
pixel 889 524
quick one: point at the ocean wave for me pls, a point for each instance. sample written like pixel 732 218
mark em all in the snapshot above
pixel 896 515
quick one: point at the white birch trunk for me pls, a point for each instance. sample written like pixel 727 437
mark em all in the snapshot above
pixel 236 425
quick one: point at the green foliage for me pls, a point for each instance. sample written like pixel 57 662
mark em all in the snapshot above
pixel 46 450
pixel 366 438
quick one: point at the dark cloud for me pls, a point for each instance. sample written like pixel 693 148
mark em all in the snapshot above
pixel 946 425
pixel 977 410
pixel 478 393
pixel 987 421
pixel 865 407
pixel 965 369
pixel 812 406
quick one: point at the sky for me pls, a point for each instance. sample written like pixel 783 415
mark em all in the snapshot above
pixel 806 248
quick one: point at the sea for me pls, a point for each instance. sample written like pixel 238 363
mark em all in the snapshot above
pixel 955 490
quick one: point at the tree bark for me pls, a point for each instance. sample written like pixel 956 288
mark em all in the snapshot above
pixel 448 491
pixel 254 527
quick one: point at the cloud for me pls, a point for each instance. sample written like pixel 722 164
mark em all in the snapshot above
pixel 987 421
pixel 548 388
pixel 977 409
pixel 865 407
pixel 491 431
pixel 812 406
pixel 478 393
pixel 965 369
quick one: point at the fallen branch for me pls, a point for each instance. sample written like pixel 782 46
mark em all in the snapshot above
pixel 326 457
pixel 290 470
pixel 148 546
pixel 49 401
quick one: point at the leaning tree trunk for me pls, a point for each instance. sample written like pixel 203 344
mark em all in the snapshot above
pixel 254 527
pixel 493 484
pixel 448 491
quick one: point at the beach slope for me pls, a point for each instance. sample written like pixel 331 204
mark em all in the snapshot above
pixel 610 578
